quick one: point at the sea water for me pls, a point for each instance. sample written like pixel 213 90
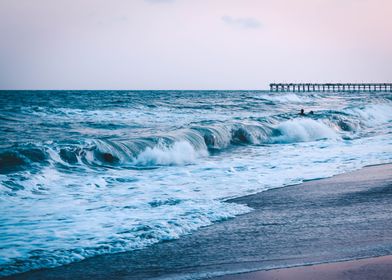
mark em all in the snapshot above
pixel 84 173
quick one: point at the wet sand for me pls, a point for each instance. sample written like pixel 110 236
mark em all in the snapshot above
pixel 345 217
pixel 364 269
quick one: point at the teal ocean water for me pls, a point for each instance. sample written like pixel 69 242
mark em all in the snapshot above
pixel 85 173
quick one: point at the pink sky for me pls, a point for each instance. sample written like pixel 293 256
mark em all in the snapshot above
pixel 192 44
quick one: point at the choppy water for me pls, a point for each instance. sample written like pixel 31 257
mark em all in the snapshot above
pixel 95 172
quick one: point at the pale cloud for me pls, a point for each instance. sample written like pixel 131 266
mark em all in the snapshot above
pixel 248 22
pixel 159 1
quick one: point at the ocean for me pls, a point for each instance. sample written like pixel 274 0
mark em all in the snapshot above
pixel 87 173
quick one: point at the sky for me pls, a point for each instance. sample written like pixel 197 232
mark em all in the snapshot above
pixel 192 44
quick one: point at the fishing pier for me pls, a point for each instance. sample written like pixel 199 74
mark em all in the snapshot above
pixel 282 87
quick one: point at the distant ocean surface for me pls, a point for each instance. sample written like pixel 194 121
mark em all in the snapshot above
pixel 84 173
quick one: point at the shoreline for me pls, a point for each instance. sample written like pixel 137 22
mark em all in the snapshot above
pixel 343 217
pixel 339 269
pixel 366 268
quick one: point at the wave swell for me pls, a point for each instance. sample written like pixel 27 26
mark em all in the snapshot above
pixel 186 145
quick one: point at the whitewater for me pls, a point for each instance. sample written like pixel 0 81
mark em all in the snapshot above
pixel 85 173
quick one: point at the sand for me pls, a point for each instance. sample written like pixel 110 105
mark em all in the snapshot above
pixel 364 269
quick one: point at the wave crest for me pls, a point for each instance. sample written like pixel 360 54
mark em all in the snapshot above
pixel 180 153
pixel 302 130
pixel 374 114
pixel 186 145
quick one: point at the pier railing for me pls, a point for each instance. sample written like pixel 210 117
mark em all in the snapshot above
pixel 282 87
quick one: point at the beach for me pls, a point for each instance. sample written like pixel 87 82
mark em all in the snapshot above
pixel 372 268
pixel 345 217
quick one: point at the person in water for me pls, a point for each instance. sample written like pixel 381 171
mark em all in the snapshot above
pixel 302 113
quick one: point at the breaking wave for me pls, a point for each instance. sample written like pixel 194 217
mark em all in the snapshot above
pixel 288 98
pixel 180 153
pixel 373 115
pixel 303 130
pixel 186 146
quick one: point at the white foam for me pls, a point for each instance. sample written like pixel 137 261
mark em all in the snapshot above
pixel 303 130
pixel 285 98
pixel 180 153
pixel 96 233
pixel 374 114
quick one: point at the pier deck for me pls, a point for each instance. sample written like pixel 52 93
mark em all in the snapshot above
pixel 330 87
